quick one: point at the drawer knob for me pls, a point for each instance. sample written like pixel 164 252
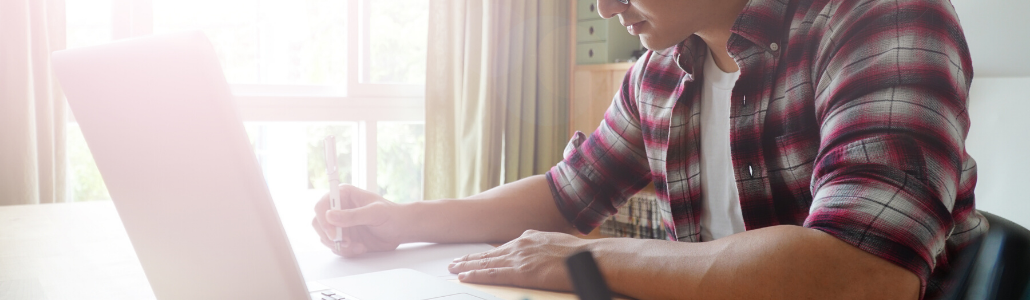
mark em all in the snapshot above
pixel 591 7
pixel 590 53
pixel 591 30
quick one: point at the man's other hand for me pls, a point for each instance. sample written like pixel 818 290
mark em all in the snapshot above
pixel 369 222
pixel 534 260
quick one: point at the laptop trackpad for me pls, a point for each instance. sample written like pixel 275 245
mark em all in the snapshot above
pixel 402 284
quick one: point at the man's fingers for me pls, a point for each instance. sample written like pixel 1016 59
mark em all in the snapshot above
pixel 330 231
pixel 352 250
pixel 346 249
pixel 326 233
pixel 486 263
pixel 501 276
pixel 329 244
pixel 482 255
pixel 365 215
pixel 323 228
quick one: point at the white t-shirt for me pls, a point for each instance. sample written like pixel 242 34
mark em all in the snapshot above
pixel 721 204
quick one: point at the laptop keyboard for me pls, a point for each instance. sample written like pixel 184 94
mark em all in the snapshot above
pixel 328 295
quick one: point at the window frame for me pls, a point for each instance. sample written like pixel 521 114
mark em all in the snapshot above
pixel 357 100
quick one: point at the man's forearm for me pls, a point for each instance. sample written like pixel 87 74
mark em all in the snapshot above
pixel 499 214
pixel 782 262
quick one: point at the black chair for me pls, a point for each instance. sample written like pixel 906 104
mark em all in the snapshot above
pixel 997 267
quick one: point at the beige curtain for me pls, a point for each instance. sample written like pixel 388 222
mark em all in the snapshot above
pixel 496 92
pixel 32 164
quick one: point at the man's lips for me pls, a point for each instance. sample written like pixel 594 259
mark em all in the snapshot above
pixel 634 28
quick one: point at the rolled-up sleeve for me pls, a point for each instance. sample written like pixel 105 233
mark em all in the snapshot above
pixel 891 105
pixel 599 172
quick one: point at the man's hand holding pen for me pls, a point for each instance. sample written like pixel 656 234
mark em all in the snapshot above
pixel 352 221
pixel 369 221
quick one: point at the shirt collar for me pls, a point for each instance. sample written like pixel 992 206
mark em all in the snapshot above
pixel 690 53
pixel 761 22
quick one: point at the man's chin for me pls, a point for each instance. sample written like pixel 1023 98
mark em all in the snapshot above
pixel 656 44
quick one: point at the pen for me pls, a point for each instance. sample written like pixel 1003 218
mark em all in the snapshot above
pixel 334 184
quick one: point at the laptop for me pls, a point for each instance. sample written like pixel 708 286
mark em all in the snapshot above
pixel 159 118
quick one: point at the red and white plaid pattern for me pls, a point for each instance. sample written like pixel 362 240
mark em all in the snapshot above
pixel 849 117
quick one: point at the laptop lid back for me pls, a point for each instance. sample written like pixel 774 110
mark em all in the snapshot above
pixel 161 123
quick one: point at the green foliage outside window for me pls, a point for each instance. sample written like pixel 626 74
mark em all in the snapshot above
pixel 88 185
pixel 398 41
pixel 400 160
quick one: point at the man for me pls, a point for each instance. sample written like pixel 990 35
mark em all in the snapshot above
pixel 832 131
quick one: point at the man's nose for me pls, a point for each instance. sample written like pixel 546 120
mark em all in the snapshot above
pixel 610 8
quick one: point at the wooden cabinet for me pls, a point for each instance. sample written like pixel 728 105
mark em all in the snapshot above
pixel 593 87
pixel 597 40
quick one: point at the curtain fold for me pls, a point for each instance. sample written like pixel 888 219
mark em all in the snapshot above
pixel 32 109
pixel 496 92
pixel 535 132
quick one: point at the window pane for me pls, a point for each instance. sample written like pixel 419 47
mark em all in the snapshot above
pixel 83 176
pixel 88 22
pixel 291 154
pixel 266 41
pixel 400 160
pixel 397 41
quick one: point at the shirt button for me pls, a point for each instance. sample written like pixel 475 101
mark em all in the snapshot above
pixel 774 47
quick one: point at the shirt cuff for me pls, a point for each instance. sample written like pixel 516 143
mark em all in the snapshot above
pixel 893 221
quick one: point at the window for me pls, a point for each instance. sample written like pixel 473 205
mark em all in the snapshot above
pixel 267 41
pixel 300 70
pixel 396 58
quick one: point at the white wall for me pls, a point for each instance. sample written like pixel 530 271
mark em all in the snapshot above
pixel 996 33
pixel 999 104
pixel 999 140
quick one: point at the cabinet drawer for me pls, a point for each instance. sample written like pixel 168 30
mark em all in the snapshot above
pixel 586 10
pixel 591 31
pixel 591 53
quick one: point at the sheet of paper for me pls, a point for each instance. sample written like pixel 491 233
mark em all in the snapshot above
pixel 432 259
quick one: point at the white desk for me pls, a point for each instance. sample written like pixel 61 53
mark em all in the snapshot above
pixel 81 251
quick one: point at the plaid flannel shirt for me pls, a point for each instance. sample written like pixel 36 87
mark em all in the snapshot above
pixel 849 117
